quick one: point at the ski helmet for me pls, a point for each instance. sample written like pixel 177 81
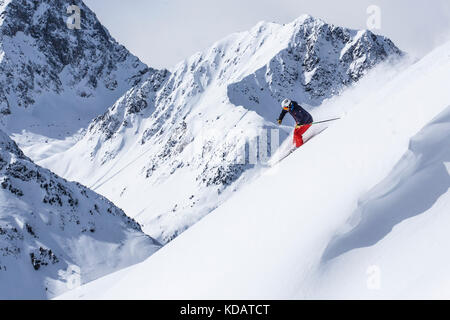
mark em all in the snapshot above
pixel 286 104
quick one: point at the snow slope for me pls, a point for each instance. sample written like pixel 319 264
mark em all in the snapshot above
pixel 55 80
pixel 361 211
pixel 55 234
pixel 174 147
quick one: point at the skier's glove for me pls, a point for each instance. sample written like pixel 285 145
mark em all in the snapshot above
pixel 298 126
pixel 279 121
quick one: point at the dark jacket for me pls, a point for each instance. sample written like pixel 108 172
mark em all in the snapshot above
pixel 300 115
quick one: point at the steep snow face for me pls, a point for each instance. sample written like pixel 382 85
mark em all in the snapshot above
pixel 176 145
pixel 399 231
pixel 360 211
pixel 55 80
pixel 55 234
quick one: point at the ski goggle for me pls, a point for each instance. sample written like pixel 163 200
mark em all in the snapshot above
pixel 287 108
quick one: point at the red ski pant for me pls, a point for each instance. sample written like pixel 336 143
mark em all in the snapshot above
pixel 298 132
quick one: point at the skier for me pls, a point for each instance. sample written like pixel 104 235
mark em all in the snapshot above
pixel 302 118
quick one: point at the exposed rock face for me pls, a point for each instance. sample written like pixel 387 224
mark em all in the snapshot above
pixel 40 54
pixel 50 227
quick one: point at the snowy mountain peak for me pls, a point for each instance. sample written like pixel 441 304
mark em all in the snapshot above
pixel 55 76
pixel 307 19
pixel 313 61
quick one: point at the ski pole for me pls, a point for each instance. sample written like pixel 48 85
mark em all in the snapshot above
pixel 325 121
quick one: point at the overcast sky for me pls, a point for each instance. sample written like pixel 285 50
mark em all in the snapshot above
pixel 164 32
